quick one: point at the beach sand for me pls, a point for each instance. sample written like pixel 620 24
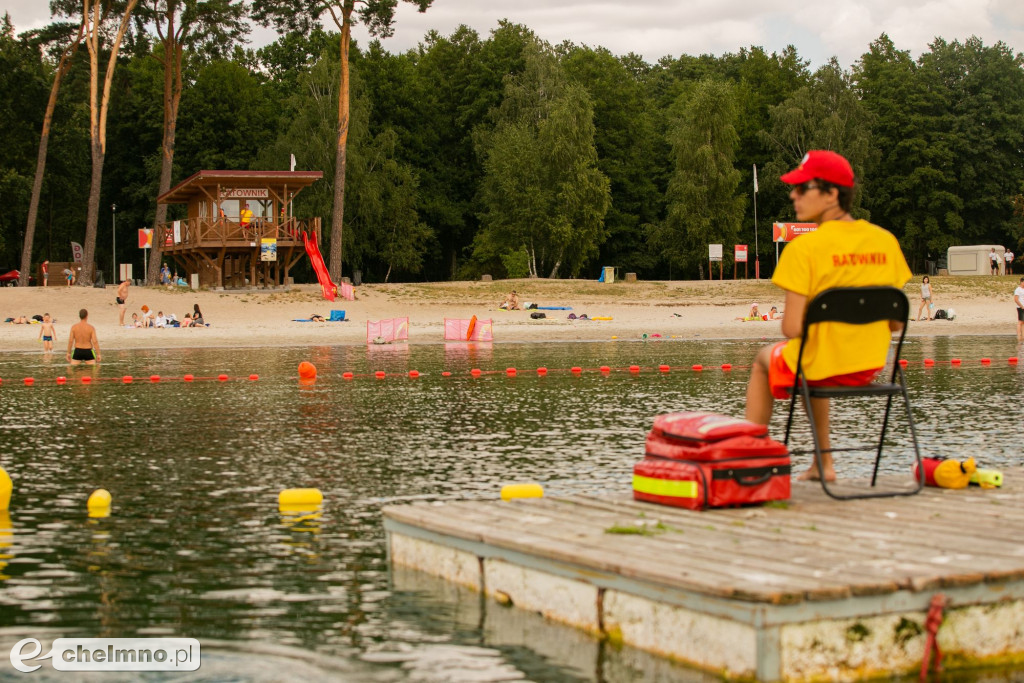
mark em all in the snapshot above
pixel 681 309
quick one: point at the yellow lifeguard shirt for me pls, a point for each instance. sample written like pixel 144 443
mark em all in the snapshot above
pixel 841 254
pixel 245 217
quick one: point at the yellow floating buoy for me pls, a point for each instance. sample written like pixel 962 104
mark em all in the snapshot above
pixel 99 503
pixel 6 486
pixel 295 499
pixel 512 491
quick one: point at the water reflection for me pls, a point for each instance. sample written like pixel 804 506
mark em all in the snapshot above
pixel 196 546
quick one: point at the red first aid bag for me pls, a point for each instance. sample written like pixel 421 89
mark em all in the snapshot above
pixel 701 460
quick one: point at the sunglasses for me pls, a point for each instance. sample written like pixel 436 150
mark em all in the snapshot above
pixel 803 188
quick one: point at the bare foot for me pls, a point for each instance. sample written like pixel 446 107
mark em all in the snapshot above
pixel 812 475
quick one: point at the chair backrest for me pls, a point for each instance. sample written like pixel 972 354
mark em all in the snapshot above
pixel 858 306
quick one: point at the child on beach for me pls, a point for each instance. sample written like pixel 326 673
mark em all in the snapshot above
pixel 47 333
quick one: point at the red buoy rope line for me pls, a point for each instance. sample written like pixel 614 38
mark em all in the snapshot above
pixel 475 373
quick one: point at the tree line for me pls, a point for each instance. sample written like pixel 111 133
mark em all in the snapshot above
pixel 501 154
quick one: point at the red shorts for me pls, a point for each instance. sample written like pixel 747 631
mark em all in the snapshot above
pixel 781 377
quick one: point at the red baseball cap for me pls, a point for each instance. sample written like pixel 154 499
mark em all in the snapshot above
pixel 823 164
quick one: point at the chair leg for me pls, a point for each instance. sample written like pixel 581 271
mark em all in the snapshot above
pixel 881 440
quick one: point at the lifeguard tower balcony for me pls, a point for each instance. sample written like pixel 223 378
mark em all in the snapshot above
pixel 225 245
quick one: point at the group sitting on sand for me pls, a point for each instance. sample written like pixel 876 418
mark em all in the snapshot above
pixel 149 319
pixel 755 314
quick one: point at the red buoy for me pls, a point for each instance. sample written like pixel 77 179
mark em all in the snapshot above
pixel 475 372
pixel 605 369
pixel 928 362
pixel 727 366
pixel 1012 360
pixel 127 379
pixel 254 377
pixel 511 372
pixel 986 361
pixel 86 380
pixel 222 378
pixel 664 368
pixel 62 380
pixel 634 369
pixel 904 362
pixel 379 374
pixel 154 378
pixel 414 374
pixel 29 381
pixel 187 378
pixel 347 375
pixel 954 361
pixel 446 374
pixel 697 367
pixel 542 371
pixel 575 369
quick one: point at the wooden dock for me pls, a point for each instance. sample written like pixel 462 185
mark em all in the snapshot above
pixel 811 590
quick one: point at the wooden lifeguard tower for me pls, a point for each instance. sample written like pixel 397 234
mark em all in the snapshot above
pixel 217 242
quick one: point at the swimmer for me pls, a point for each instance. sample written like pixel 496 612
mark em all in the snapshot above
pixel 83 346
pixel 47 333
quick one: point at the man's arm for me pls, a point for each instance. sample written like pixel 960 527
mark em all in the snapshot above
pixel 1016 300
pixel 793 321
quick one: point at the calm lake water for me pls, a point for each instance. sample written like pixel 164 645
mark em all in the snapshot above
pixel 195 546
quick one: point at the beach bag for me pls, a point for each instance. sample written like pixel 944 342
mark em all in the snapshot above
pixel 941 314
pixel 699 460
pixel 950 314
pixel 538 315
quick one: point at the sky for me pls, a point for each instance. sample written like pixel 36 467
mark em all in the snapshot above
pixel 653 29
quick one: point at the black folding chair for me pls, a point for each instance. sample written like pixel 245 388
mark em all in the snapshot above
pixel 857 306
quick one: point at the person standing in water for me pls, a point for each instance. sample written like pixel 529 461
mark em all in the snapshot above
pixel 83 346
pixel 47 333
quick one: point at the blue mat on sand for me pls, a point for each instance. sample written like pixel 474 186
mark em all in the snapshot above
pixel 554 308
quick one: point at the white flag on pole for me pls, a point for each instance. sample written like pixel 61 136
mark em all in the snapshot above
pixel 755 178
pixel 293 163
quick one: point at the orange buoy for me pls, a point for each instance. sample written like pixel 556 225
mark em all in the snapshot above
pixel 928 362
pixel 511 372
pixel 222 378
pixel 542 371
pixel 414 374
pixel 347 375
pixel 127 379
pixel 727 366
pixel 475 372
pixel 187 378
pixel 307 370
pixel 254 377
pixel 575 369
pixel 379 374
pixel 154 378
pixel 664 368
pixel 986 361
pixel 697 367
pixel 634 369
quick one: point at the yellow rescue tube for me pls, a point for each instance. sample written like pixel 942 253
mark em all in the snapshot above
pixel 292 498
pixel 6 486
pixel 512 491
pixel 952 474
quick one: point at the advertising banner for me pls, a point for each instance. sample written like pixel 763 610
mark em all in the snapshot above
pixel 268 249
pixel 76 252
pixel 145 238
pixel 787 232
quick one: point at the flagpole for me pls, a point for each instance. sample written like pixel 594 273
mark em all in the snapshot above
pixel 757 260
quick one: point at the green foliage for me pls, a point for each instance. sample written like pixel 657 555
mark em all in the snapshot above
pixel 542 189
pixel 703 205
pixel 517 263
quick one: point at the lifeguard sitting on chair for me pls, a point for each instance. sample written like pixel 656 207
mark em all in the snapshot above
pixel 842 252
